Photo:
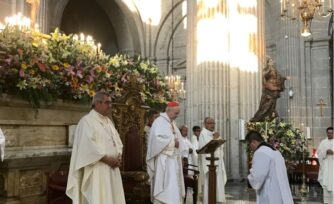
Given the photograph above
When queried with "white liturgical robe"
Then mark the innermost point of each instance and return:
(186, 153)
(326, 170)
(90, 181)
(164, 165)
(2, 145)
(205, 137)
(268, 176)
(194, 142)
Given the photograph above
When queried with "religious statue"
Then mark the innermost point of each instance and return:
(33, 11)
(273, 85)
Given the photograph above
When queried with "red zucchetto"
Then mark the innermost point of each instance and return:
(172, 104)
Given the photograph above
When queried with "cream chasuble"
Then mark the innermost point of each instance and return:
(91, 181)
(164, 164)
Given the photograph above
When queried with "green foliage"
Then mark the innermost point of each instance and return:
(42, 67)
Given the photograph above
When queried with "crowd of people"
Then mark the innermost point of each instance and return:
(94, 175)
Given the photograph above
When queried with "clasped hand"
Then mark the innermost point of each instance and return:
(112, 161)
(177, 143)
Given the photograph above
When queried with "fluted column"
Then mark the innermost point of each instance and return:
(224, 55)
(42, 18)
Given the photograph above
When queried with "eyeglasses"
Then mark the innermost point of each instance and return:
(213, 123)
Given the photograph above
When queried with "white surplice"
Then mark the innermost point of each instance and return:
(186, 154)
(268, 176)
(205, 137)
(194, 142)
(90, 181)
(2, 144)
(164, 165)
(325, 176)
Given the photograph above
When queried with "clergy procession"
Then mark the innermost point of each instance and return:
(166, 102)
(94, 175)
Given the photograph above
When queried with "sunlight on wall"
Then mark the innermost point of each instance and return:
(210, 33)
(184, 12)
(228, 35)
(150, 11)
(247, 3)
(211, 3)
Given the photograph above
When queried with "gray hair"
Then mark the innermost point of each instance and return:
(168, 109)
(182, 126)
(207, 118)
(98, 97)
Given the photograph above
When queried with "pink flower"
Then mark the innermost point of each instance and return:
(21, 73)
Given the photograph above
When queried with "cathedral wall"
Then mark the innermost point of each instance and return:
(306, 62)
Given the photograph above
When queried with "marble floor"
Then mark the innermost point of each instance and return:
(238, 193)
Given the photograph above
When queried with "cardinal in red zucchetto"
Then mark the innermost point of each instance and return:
(163, 157)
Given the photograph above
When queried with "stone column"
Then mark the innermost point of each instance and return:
(42, 18)
(225, 53)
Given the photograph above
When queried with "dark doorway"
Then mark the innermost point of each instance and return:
(88, 17)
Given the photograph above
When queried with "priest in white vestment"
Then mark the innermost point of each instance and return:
(208, 134)
(94, 176)
(164, 165)
(190, 150)
(268, 174)
(325, 156)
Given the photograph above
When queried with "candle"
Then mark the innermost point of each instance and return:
(308, 132)
(36, 27)
(82, 37)
(75, 37)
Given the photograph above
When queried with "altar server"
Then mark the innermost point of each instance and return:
(2, 145)
(191, 151)
(268, 175)
(325, 156)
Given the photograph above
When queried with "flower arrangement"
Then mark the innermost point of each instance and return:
(126, 70)
(289, 140)
(43, 67)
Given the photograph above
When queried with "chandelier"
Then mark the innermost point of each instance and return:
(176, 87)
(306, 9)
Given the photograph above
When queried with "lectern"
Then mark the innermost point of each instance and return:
(210, 148)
